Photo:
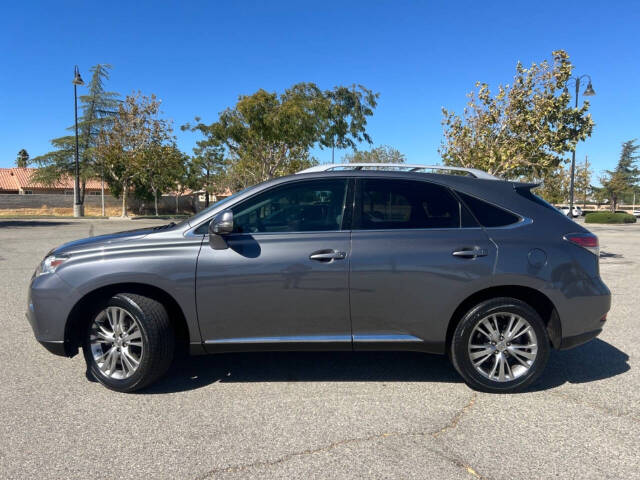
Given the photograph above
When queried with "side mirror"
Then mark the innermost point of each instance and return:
(222, 224)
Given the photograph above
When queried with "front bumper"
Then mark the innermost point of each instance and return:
(50, 301)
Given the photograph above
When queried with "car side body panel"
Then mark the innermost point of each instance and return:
(406, 284)
(162, 260)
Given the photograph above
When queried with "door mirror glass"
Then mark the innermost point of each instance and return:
(222, 224)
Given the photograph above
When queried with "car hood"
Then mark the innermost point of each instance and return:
(102, 240)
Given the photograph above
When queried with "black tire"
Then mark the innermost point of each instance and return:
(460, 355)
(158, 342)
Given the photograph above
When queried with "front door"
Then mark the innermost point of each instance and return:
(416, 254)
(283, 281)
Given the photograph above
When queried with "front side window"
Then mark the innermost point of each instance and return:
(306, 206)
(407, 204)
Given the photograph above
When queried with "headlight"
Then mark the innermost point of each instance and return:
(50, 263)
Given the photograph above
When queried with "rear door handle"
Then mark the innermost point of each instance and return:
(327, 255)
(470, 252)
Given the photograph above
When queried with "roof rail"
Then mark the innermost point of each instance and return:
(408, 167)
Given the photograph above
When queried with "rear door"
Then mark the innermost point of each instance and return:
(416, 254)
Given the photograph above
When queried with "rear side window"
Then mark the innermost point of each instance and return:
(405, 204)
(488, 215)
(529, 195)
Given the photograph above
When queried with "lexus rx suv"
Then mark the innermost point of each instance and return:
(349, 257)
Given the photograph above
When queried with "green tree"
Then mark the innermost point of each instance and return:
(137, 141)
(161, 168)
(186, 178)
(268, 134)
(98, 108)
(524, 130)
(381, 154)
(344, 114)
(625, 176)
(582, 181)
(208, 167)
(555, 186)
(23, 159)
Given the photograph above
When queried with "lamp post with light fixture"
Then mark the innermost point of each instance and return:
(78, 210)
(588, 92)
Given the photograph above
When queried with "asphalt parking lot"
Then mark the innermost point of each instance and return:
(316, 415)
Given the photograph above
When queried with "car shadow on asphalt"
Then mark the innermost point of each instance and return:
(196, 372)
(593, 361)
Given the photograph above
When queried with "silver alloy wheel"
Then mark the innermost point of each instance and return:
(116, 343)
(503, 346)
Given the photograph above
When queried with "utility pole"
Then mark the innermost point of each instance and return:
(589, 92)
(102, 189)
(77, 204)
(586, 173)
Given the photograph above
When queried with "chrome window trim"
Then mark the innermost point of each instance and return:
(523, 222)
(456, 229)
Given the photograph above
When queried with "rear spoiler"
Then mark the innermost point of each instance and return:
(525, 186)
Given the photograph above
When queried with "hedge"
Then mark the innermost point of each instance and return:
(608, 217)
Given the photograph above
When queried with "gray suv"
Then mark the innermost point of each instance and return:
(391, 258)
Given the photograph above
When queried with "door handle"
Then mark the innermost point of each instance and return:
(470, 253)
(327, 255)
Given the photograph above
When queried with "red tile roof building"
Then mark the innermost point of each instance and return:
(18, 180)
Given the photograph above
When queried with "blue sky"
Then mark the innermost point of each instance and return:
(199, 56)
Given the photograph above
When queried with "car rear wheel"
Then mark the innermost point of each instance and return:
(500, 345)
(129, 342)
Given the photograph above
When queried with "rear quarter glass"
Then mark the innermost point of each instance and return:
(488, 215)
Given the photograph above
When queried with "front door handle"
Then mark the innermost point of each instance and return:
(470, 252)
(327, 255)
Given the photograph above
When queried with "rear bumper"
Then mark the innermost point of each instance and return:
(577, 340)
(583, 311)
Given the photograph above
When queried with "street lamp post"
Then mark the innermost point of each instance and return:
(77, 204)
(588, 92)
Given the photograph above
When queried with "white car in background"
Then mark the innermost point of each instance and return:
(636, 213)
(577, 211)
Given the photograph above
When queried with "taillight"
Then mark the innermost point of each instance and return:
(585, 240)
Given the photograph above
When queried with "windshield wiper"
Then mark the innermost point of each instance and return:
(162, 227)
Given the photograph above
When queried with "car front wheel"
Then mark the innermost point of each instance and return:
(500, 345)
(129, 342)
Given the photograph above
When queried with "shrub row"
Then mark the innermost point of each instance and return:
(608, 217)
